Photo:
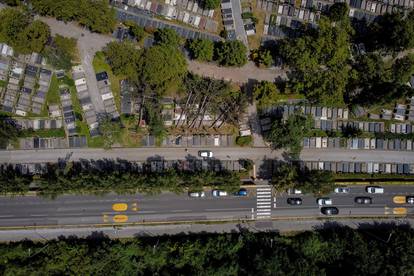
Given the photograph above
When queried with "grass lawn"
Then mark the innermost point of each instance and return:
(45, 133)
(99, 65)
(255, 40)
(52, 96)
(3, 83)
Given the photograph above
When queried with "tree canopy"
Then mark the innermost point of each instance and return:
(124, 58)
(211, 4)
(8, 131)
(93, 14)
(231, 53)
(201, 49)
(61, 52)
(266, 94)
(33, 38)
(338, 11)
(289, 134)
(12, 23)
(167, 37)
(320, 62)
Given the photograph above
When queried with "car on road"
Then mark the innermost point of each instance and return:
(374, 190)
(342, 190)
(218, 193)
(241, 192)
(324, 201)
(329, 211)
(363, 200)
(410, 199)
(196, 194)
(294, 192)
(205, 154)
(399, 211)
(294, 201)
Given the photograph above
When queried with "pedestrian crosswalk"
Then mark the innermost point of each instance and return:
(264, 201)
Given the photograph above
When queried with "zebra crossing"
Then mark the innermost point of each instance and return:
(264, 201)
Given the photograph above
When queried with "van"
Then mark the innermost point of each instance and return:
(374, 190)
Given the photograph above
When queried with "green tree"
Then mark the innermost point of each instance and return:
(33, 38)
(266, 94)
(110, 131)
(61, 52)
(12, 23)
(124, 58)
(338, 12)
(137, 31)
(11, 2)
(320, 62)
(284, 176)
(212, 4)
(167, 37)
(201, 49)
(403, 69)
(247, 164)
(161, 67)
(9, 131)
(316, 182)
(231, 53)
(289, 134)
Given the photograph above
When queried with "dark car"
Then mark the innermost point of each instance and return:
(410, 199)
(329, 211)
(294, 201)
(241, 192)
(363, 200)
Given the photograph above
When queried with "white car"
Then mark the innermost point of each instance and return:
(374, 190)
(324, 201)
(196, 194)
(342, 190)
(218, 193)
(205, 153)
(294, 192)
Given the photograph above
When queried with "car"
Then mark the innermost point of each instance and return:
(363, 200)
(205, 154)
(241, 192)
(329, 211)
(218, 193)
(196, 194)
(324, 201)
(342, 190)
(410, 199)
(294, 201)
(374, 190)
(294, 192)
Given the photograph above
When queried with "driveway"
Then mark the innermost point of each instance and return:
(88, 44)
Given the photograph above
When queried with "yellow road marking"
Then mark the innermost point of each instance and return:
(399, 211)
(134, 207)
(105, 218)
(120, 207)
(399, 199)
(120, 218)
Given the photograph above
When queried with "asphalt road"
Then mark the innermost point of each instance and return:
(222, 153)
(82, 210)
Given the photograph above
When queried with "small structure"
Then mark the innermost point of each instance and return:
(54, 111)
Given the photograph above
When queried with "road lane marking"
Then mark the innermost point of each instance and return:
(120, 218)
(265, 196)
(180, 211)
(34, 215)
(228, 209)
(6, 216)
(120, 207)
(263, 199)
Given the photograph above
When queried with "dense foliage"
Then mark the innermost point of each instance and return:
(286, 176)
(266, 94)
(105, 176)
(211, 4)
(231, 53)
(319, 60)
(18, 30)
(201, 49)
(124, 58)
(93, 14)
(137, 31)
(8, 131)
(289, 134)
(385, 250)
(167, 37)
(61, 52)
(110, 130)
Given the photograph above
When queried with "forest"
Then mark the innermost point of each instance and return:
(339, 250)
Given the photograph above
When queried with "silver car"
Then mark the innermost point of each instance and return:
(342, 190)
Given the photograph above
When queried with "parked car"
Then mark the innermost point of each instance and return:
(205, 154)
(329, 211)
(324, 201)
(374, 190)
(363, 200)
(294, 201)
(196, 194)
(218, 193)
(342, 190)
(294, 192)
(241, 192)
(410, 199)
